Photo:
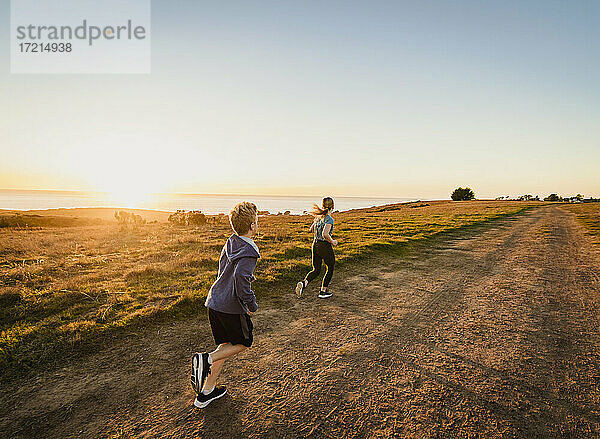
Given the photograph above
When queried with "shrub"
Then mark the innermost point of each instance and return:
(129, 219)
(177, 218)
(196, 218)
(552, 197)
(461, 194)
(183, 218)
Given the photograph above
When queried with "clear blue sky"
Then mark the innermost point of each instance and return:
(345, 98)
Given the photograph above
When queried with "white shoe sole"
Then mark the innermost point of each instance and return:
(197, 365)
(324, 297)
(299, 288)
(201, 405)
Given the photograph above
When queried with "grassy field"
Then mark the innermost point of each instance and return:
(588, 214)
(33, 220)
(64, 288)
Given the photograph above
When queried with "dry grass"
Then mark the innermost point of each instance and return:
(588, 214)
(63, 286)
(19, 220)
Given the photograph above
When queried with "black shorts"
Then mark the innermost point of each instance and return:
(230, 328)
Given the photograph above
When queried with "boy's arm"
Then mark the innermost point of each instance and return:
(243, 277)
(222, 260)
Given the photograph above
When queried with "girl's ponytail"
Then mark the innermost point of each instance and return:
(327, 207)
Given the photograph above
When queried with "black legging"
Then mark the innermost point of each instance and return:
(321, 251)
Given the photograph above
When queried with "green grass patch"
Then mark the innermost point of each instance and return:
(588, 214)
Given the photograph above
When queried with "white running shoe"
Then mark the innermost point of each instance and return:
(324, 295)
(203, 400)
(299, 288)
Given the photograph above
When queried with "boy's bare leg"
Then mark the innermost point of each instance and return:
(215, 371)
(226, 350)
(218, 356)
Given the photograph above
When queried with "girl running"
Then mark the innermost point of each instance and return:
(322, 248)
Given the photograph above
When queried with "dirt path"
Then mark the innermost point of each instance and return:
(489, 334)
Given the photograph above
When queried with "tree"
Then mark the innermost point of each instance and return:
(526, 197)
(552, 197)
(579, 197)
(461, 194)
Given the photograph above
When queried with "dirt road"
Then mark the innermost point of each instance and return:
(491, 332)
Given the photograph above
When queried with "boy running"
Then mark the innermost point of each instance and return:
(229, 302)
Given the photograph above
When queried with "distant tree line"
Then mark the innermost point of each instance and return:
(466, 193)
(552, 197)
(576, 199)
(529, 197)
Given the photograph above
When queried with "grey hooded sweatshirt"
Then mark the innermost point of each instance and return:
(232, 293)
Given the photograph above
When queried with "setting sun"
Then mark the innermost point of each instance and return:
(128, 172)
(128, 197)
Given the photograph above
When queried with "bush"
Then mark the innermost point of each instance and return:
(552, 197)
(129, 219)
(461, 194)
(183, 218)
(196, 218)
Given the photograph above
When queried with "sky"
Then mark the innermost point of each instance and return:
(378, 98)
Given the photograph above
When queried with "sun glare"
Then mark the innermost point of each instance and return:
(128, 190)
(129, 197)
(129, 175)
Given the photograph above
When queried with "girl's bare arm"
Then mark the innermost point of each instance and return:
(327, 236)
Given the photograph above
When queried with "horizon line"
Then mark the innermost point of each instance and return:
(403, 198)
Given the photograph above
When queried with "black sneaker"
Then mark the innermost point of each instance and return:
(300, 288)
(200, 370)
(324, 295)
(203, 400)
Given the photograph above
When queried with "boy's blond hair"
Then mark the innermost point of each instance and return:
(242, 216)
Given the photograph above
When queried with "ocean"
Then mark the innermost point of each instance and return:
(207, 203)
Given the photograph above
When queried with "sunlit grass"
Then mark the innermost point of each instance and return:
(588, 214)
(64, 286)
